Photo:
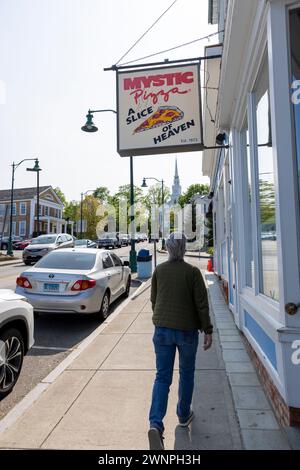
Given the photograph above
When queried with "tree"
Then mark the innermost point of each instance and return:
(187, 198)
(123, 193)
(101, 193)
(89, 213)
(154, 195)
(61, 195)
(72, 211)
(193, 190)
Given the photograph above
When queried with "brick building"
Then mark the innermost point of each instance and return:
(25, 212)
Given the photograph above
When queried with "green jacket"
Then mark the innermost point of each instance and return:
(179, 297)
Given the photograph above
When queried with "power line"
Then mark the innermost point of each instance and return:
(172, 48)
(147, 31)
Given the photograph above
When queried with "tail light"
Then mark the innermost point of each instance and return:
(83, 284)
(24, 282)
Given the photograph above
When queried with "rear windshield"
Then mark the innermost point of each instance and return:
(81, 242)
(43, 240)
(71, 260)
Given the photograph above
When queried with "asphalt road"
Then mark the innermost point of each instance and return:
(55, 335)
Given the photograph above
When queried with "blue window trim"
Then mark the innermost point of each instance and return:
(260, 336)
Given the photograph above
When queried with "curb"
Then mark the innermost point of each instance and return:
(19, 409)
(11, 263)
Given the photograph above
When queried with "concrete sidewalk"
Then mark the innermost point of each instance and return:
(101, 399)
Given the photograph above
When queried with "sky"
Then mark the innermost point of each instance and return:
(52, 55)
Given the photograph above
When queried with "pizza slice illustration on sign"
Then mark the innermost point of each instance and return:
(161, 117)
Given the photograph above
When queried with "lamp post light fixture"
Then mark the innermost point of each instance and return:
(14, 167)
(81, 207)
(144, 185)
(37, 169)
(90, 127)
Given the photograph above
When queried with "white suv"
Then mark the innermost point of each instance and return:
(16, 337)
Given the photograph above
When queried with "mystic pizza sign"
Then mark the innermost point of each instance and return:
(159, 110)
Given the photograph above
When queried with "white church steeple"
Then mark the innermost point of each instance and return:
(176, 188)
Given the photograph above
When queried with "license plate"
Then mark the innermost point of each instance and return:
(51, 287)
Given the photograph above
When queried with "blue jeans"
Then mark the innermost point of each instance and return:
(166, 340)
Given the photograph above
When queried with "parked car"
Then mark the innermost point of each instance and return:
(5, 240)
(124, 239)
(75, 280)
(143, 237)
(137, 237)
(85, 243)
(43, 244)
(22, 244)
(16, 337)
(152, 239)
(268, 235)
(108, 240)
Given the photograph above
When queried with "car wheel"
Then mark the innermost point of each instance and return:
(128, 285)
(104, 310)
(4, 246)
(28, 263)
(11, 359)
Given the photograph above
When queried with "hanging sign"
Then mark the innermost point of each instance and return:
(159, 110)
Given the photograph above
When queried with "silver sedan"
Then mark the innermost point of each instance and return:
(75, 280)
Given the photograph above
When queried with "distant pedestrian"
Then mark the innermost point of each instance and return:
(180, 308)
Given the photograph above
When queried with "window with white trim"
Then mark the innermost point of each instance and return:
(2, 210)
(294, 22)
(14, 209)
(267, 233)
(22, 228)
(23, 208)
(14, 228)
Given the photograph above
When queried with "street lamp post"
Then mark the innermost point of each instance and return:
(14, 167)
(81, 208)
(144, 185)
(90, 127)
(37, 169)
(132, 254)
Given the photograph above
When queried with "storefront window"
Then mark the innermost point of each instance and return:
(266, 190)
(295, 71)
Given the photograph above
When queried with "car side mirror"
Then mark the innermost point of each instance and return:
(125, 263)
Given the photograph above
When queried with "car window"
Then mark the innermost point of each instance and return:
(72, 260)
(44, 240)
(107, 261)
(64, 238)
(116, 260)
(81, 242)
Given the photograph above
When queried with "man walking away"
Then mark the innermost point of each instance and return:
(180, 309)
